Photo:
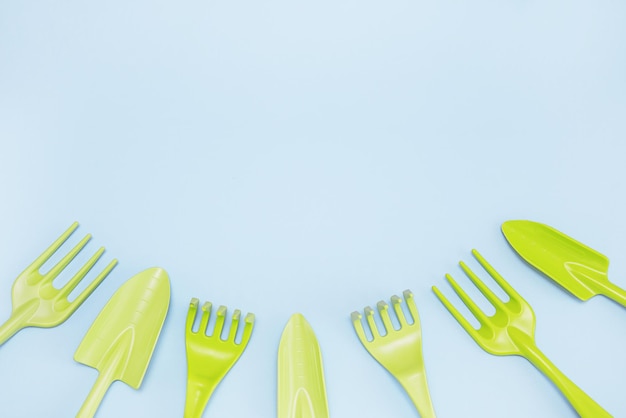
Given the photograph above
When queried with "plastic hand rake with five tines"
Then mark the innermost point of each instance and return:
(399, 350)
(209, 358)
(511, 331)
(37, 303)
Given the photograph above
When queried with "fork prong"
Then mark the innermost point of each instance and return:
(247, 329)
(92, 286)
(383, 310)
(496, 276)
(58, 267)
(73, 282)
(358, 326)
(234, 325)
(191, 313)
(206, 314)
(471, 305)
(45, 256)
(484, 289)
(456, 314)
(369, 316)
(219, 322)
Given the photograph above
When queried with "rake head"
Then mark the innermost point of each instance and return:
(36, 302)
(209, 357)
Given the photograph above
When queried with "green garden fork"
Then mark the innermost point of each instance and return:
(399, 350)
(209, 358)
(511, 331)
(36, 302)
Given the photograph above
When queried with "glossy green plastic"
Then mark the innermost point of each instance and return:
(120, 342)
(37, 303)
(209, 358)
(301, 386)
(511, 331)
(577, 268)
(399, 350)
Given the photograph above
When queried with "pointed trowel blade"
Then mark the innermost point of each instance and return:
(301, 388)
(577, 268)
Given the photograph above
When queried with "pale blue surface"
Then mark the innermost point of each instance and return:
(284, 156)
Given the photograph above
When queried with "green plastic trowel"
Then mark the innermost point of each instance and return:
(301, 388)
(577, 268)
(121, 340)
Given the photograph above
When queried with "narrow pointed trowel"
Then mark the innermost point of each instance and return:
(577, 268)
(120, 342)
(301, 388)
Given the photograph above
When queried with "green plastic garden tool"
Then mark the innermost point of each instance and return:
(37, 303)
(301, 387)
(209, 358)
(577, 268)
(399, 350)
(511, 331)
(120, 342)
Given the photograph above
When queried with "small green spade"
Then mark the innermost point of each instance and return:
(121, 340)
(577, 268)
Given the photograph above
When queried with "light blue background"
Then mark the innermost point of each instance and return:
(296, 156)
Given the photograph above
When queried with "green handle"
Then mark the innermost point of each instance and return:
(416, 387)
(99, 389)
(198, 394)
(613, 292)
(18, 320)
(10, 327)
(580, 401)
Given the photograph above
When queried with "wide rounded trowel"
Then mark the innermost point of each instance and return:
(577, 268)
(120, 342)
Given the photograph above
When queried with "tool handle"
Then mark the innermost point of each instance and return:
(18, 320)
(99, 389)
(198, 394)
(613, 292)
(580, 401)
(10, 327)
(416, 387)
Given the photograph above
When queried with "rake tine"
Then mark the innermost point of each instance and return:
(410, 303)
(358, 325)
(234, 325)
(471, 305)
(206, 315)
(247, 329)
(456, 314)
(45, 256)
(95, 283)
(219, 322)
(369, 316)
(58, 267)
(484, 289)
(383, 310)
(396, 302)
(73, 282)
(191, 313)
(496, 276)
